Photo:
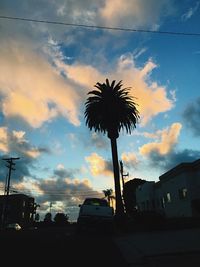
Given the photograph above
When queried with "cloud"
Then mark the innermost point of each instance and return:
(92, 139)
(100, 141)
(99, 166)
(73, 191)
(164, 154)
(32, 89)
(130, 160)
(165, 163)
(168, 139)
(151, 97)
(3, 139)
(64, 194)
(190, 12)
(139, 51)
(14, 143)
(135, 13)
(191, 116)
(35, 74)
(62, 172)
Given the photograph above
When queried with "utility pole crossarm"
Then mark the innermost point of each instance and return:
(8, 159)
(7, 186)
(10, 168)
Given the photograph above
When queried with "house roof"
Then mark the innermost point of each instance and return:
(16, 196)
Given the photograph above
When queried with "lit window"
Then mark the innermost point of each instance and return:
(183, 193)
(168, 197)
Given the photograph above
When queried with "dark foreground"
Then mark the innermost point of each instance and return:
(59, 246)
(64, 246)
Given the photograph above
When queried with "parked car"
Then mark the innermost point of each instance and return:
(13, 226)
(95, 212)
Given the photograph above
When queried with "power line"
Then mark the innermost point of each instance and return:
(100, 27)
(58, 192)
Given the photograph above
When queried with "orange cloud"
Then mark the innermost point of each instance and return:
(36, 91)
(169, 138)
(151, 97)
(135, 13)
(16, 140)
(3, 140)
(129, 157)
(32, 89)
(98, 166)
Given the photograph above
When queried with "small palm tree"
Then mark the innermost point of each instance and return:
(109, 110)
(108, 193)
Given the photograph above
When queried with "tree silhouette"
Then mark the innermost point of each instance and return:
(109, 110)
(61, 218)
(108, 193)
(48, 217)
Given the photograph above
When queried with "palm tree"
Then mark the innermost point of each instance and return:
(109, 110)
(108, 193)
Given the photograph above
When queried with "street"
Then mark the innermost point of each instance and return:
(60, 246)
(66, 246)
(177, 247)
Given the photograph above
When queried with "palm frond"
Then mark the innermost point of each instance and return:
(111, 108)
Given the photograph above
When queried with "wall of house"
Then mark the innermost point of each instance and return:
(193, 185)
(174, 194)
(19, 208)
(176, 204)
(145, 196)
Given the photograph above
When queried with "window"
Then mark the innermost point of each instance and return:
(168, 197)
(162, 202)
(182, 193)
(96, 202)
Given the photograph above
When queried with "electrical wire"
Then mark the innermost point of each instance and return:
(100, 27)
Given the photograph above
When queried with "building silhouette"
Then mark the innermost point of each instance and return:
(17, 208)
(176, 194)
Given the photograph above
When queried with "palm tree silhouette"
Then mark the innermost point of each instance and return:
(108, 193)
(109, 110)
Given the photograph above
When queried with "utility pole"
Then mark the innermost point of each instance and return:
(7, 187)
(10, 168)
(122, 172)
(122, 175)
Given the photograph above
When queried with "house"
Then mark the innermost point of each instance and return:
(145, 196)
(176, 194)
(17, 208)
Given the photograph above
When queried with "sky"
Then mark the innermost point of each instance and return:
(47, 70)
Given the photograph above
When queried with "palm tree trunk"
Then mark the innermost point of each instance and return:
(119, 203)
